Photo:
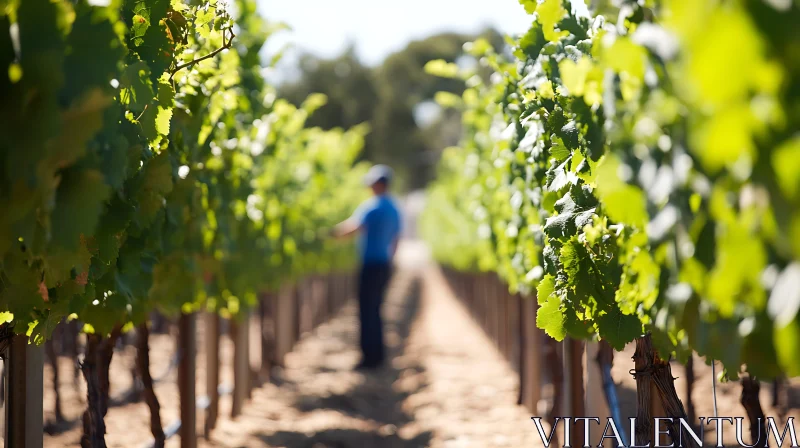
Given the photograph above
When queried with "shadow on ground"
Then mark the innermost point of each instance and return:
(345, 438)
(378, 398)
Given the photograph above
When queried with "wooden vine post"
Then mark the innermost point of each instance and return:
(596, 404)
(240, 329)
(332, 291)
(689, 368)
(24, 381)
(780, 396)
(514, 333)
(266, 326)
(52, 357)
(297, 319)
(212, 335)
(284, 323)
(503, 321)
(574, 396)
(530, 354)
(187, 348)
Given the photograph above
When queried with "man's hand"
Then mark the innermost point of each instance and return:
(326, 233)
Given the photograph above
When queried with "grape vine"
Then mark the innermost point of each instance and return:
(636, 164)
(146, 165)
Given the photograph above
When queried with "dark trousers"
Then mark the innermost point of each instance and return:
(373, 280)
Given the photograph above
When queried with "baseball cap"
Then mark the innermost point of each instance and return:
(378, 173)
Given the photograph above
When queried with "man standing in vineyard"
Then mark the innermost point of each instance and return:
(378, 222)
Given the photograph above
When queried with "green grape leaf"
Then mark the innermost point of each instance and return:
(80, 200)
(733, 282)
(639, 283)
(624, 204)
(787, 346)
(720, 341)
(113, 222)
(786, 163)
(569, 135)
(550, 13)
(577, 328)
(441, 68)
(166, 95)
(94, 50)
(577, 27)
(551, 318)
(530, 5)
(559, 177)
(60, 262)
(79, 124)
(532, 43)
(137, 90)
(570, 218)
(155, 121)
(155, 183)
(545, 288)
(759, 351)
(140, 22)
(618, 328)
(558, 150)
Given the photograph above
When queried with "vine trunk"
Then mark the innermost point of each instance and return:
(656, 395)
(752, 405)
(143, 367)
(95, 366)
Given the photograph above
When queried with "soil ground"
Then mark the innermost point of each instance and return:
(444, 385)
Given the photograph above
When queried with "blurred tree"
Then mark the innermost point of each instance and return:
(395, 98)
(349, 86)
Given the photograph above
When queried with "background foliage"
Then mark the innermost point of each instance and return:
(388, 99)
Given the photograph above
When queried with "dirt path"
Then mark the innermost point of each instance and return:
(444, 387)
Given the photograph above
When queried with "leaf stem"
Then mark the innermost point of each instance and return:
(225, 46)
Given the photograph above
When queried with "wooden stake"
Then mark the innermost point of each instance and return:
(284, 324)
(531, 355)
(50, 349)
(514, 333)
(596, 404)
(554, 358)
(267, 336)
(241, 363)
(689, 367)
(573, 358)
(25, 385)
(187, 347)
(212, 335)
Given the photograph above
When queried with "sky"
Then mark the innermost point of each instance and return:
(381, 27)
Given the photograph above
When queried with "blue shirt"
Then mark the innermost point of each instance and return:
(379, 218)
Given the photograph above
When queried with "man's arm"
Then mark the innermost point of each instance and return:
(351, 225)
(346, 228)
